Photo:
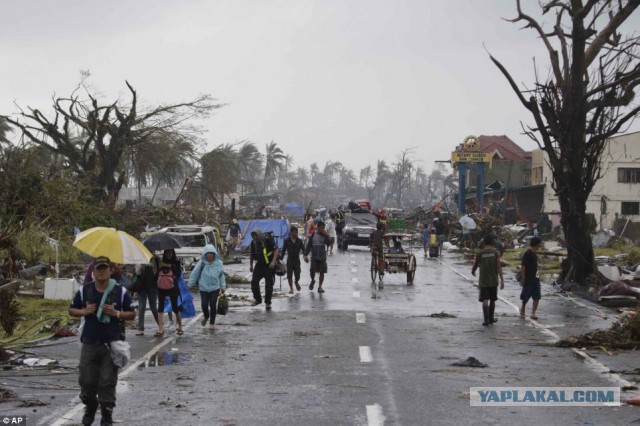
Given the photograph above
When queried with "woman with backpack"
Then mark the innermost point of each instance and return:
(169, 271)
(209, 275)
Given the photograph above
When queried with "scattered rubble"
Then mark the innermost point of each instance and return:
(6, 395)
(470, 362)
(624, 334)
(442, 314)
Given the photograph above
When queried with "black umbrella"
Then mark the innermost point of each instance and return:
(162, 241)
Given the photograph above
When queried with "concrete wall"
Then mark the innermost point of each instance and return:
(622, 152)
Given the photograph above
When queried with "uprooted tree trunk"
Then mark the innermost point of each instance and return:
(586, 98)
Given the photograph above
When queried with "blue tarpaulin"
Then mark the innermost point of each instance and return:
(278, 227)
(294, 209)
(187, 310)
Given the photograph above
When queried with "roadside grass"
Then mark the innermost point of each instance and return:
(35, 315)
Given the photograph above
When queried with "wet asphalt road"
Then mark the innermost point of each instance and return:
(346, 357)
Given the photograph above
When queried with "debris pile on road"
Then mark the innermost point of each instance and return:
(624, 334)
(442, 314)
(6, 395)
(470, 362)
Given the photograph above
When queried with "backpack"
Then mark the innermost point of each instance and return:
(166, 279)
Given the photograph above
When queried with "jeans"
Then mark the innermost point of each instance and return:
(98, 375)
(259, 273)
(209, 301)
(152, 295)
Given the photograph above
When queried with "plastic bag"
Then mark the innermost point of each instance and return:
(120, 352)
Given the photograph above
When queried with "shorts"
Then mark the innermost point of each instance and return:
(488, 293)
(531, 290)
(318, 266)
(332, 241)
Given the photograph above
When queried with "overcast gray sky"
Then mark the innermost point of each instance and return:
(342, 80)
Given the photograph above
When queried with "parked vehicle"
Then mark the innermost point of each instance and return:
(357, 229)
(195, 237)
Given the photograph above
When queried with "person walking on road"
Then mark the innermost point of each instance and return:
(234, 233)
(292, 247)
(331, 230)
(488, 260)
(209, 275)
(104, 304)
(169, 271)
(425, 239)
(264, 252)
(147, 291)
(376, 244)
(529, 280)
(317, 246)
(439, 227)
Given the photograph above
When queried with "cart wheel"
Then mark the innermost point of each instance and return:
(411, 269)
(374, 269)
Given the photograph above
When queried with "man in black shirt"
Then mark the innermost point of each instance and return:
(529, 280)
(293, 246)
(264, 252)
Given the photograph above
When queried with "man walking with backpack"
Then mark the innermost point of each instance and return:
(317, 246)
(104, 304)
(264, 252)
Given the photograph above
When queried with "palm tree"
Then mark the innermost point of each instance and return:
(219, 172)
(367, 181)
(302, 177)
(382, 175)
(273, 161)
(314, 171)
(160, 160)
(283, 176)
(249, 164)
(347, 179)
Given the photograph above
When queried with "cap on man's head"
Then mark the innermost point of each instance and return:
(102, 260)
(235, 221)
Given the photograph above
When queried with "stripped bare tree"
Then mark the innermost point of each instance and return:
(586, 97)
(94, 138)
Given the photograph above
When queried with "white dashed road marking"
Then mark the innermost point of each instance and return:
(360, 318)
(374, 415)
(356, 294)
(365, 354)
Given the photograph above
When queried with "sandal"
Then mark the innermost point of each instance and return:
(320, 290)
(159, 334)
(140, 333)
(180, 332)
(534, 317)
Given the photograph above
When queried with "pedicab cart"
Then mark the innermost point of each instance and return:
(397, 259)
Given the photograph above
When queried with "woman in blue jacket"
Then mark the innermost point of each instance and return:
(209, 275)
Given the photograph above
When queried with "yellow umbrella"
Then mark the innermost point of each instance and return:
(118, 246)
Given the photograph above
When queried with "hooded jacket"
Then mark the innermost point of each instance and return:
(209, 276)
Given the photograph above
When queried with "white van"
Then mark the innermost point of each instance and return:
(195, 237)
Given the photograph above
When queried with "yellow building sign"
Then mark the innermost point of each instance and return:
(470, 157)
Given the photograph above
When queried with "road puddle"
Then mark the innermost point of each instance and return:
(165, 359)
